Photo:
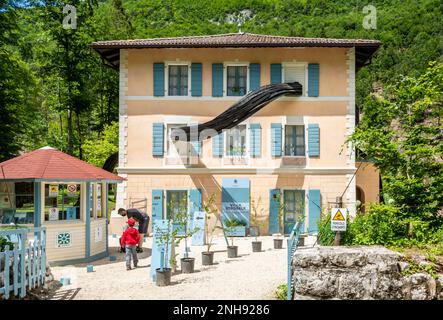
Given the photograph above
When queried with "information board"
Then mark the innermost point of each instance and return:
(338, 219)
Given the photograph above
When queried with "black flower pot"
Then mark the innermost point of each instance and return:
(278, 243)
(187, 265)
(163, 277)
(207, 258)
(256, 246)
(232, 251)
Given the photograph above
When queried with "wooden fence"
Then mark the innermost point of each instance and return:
(22, 265)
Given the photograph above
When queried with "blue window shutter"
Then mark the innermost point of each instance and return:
(217, 145)
(159, 79)
(255, 139)
(313, 140)
(276, 73)
(157, 204)
(276, 139)
(217, 79)
(313, 79)
(314, 210)
(196, 79)
(274, 203)
(157, 139)
(254, 76)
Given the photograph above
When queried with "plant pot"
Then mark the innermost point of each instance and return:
(187, 265)
(207, 258)
(232, 251)
(278, 243)
(163, 277)
(256, 246)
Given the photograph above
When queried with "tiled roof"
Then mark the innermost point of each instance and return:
(233, 40)
(48, 163)
(110, 50)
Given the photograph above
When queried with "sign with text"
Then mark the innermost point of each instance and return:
(161, 246)
(53, 214)
(71, 213)
(72, 190)
(198, 238)
(235, 200)
(53, 190)
(338, 219)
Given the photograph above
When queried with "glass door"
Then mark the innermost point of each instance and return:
(294, 204)
(176, 204)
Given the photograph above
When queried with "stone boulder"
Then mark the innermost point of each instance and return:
(358, 272)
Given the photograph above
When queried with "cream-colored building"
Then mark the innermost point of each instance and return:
(293, 151)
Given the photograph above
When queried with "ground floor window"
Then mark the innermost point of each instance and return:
(62, 202)
(97, 200)
(176, 203)
(17, 202)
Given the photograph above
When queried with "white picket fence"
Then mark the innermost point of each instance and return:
(22, 266)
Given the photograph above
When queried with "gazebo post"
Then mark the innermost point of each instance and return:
(106, 217)
(37, 207)
(88, 221)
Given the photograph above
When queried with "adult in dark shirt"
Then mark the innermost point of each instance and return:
(143, 222)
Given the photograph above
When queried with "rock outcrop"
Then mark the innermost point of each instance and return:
(361, 272)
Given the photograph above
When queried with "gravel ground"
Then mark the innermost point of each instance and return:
(250, 276)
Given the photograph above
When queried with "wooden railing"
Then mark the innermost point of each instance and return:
(22, 265)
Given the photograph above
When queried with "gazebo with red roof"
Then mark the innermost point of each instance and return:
(68, 196)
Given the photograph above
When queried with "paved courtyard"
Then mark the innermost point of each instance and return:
(250, 276)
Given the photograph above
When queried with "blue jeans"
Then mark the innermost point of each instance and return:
(131, 254)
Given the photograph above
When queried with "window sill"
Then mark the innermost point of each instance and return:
(77, 221)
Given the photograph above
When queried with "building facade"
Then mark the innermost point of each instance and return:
(291, 157)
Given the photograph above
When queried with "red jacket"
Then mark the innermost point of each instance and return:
(130, 237)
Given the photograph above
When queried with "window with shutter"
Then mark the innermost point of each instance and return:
(295, 73)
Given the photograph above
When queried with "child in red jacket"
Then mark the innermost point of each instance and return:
(129, 241)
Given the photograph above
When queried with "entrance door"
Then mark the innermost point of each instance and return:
(176, 203)
(294, 201)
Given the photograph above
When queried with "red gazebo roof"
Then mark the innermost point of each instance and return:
(50, 164)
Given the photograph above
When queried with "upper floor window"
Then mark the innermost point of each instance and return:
(236, 141)
(294, 140)
(236, 77)
(295, 72)
(178, 76)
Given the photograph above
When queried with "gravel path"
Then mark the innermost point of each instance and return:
(250, 276)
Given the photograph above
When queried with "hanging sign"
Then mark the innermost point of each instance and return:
(338, 219)
(198, 238)
(72, 190)
(53, 214)
(53, 190)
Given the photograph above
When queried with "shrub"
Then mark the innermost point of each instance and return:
(325, 235)
(4, 242)
(282, 292)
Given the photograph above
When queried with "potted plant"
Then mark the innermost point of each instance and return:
(163, 239)
(182, 218)
(231, 228)
(256, 224)
(278, 240)
(210, 210)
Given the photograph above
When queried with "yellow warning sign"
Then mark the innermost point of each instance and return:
(338, 216)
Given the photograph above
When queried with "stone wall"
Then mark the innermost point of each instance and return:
(364, 272)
